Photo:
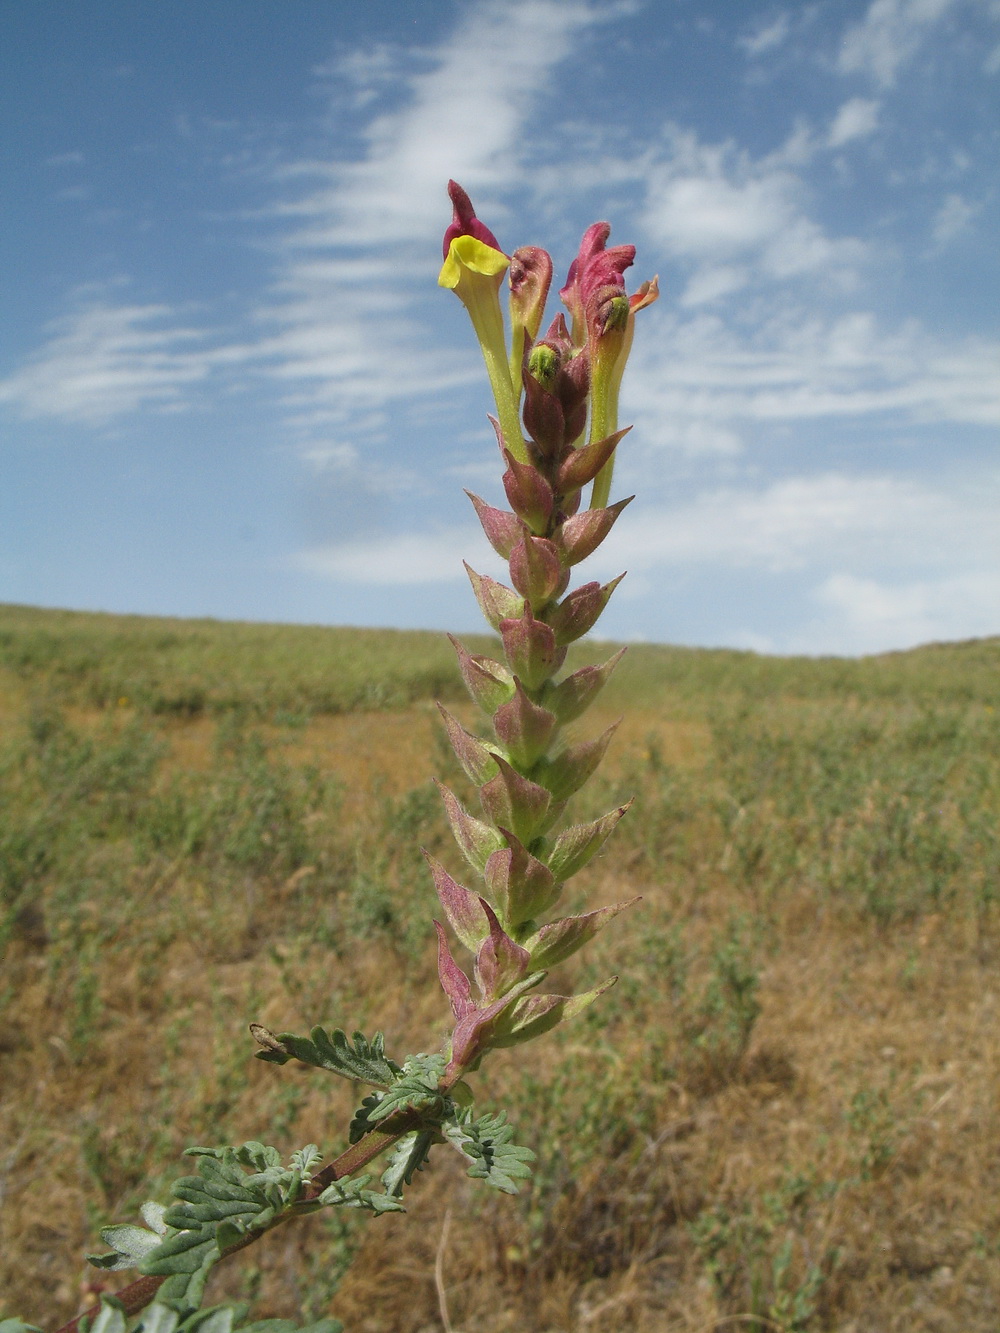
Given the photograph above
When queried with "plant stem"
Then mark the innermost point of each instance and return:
(138, 1294)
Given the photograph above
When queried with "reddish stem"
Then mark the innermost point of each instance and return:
(138, 1294)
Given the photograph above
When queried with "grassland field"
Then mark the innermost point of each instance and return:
(783, 1117)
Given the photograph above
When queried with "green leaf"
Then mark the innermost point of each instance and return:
(216, 1209)
(353, 1194)
(364, 1062)
(408, 1156)
(17, 1326)
(361, 1121)
(158, 1318)
(486, 1142)
(130, 1244)
(110, 1319)
(415, 1088)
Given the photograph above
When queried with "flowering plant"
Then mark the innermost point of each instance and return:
(557, 429)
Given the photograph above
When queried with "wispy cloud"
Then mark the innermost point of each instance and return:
(359, 250)
(856, 119)
(105, 360)
(692, 379)
(804, 520)
(404, 558)
(953, 218)
(767, 36)
(736, 219)
(863, 615)
(888, 37)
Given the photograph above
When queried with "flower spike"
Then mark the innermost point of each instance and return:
(525, 772)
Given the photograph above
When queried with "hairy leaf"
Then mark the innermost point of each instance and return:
(486, 1142)
(353, 1194)
(364, 1062)
(408, 1156)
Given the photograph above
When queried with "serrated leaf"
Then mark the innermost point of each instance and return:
(361, 1122)
(408, 1156)
(486, 1142)
(353, 1194)
(363, 1062)
(416, 1088)
(304, 1159)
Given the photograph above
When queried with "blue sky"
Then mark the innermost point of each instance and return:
(230, 386)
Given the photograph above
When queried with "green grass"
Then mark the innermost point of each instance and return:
(184, 848)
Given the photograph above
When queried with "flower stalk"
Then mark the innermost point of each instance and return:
(527, 771)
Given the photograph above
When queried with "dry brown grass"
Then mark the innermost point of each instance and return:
(847, 1158)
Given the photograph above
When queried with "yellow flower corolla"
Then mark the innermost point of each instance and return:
(474, 271)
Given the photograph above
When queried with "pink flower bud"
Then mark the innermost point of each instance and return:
(556, 942)
(475, 757)
(531, 648)
(536, 571)
(476, 841)
(574, 695)
(521, 886)
(500, 963)
(463, 908)
(496, 601)
(583, 464)
(454, 982)
(514, 802)
(578, 613)
(569, 770)
(582, 534)
(502, 529)
(533, 1015)
(528, 493)
(579, 844)
(489, 682)
(523, 729)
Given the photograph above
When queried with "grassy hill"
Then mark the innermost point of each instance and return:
(785, 1110)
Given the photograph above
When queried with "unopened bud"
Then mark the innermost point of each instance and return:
(543, 364)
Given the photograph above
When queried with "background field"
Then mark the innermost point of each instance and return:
(784, 1115)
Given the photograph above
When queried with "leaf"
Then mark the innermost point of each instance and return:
(353, 1194)
(130, 1244)
(416, 1088)
(17, 1326)
(110, 1319)
(408, 1156)
(486, 1142)
(364, 1062)
(361, 1122)
(216, 1208)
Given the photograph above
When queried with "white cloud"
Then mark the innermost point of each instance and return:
(870, 615)
(888, 37)
(807, 520)
(856, 119)
(462, 118)
(106, 360)
(394, 560)
(700, 370)
(952, 218)
(767, 37)
(717, 207)
(361, 252)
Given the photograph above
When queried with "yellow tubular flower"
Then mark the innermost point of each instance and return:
(474, 270)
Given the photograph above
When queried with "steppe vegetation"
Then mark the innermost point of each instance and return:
(784, 1117)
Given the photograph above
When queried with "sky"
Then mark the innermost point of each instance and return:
(231, 387)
